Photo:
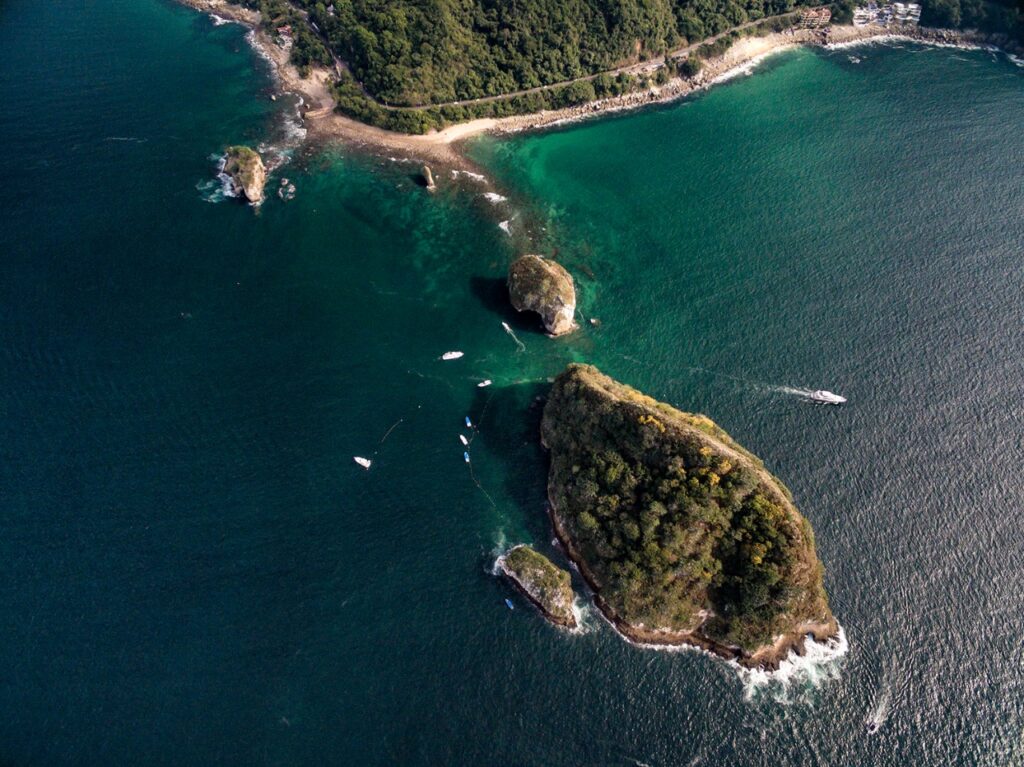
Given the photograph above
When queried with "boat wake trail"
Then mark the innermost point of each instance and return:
(520, 344)
(879, 713)
(793, 390)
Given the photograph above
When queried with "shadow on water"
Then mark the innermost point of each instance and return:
(510, 431)
(492, 293)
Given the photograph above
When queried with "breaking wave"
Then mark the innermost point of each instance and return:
(797, 674)
(219, 188)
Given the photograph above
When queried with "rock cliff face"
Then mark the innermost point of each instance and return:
(538, 285)
(684, 536)
(547, 586)
(248, 176)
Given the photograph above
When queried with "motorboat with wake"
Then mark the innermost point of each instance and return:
(826, 397)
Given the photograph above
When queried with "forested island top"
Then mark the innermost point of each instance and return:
(683, 534)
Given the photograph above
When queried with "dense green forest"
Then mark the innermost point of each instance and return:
(1000, 17)
(674, 518)
(418, 53)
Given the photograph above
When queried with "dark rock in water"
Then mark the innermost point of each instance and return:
(547, 586)
(683, 535)
(248, 176)
(539, 285)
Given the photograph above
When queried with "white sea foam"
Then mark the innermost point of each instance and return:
(1016, 60)
(494, 198)
(468, 174)
(219, 188)
(797, 674)
(219, 21)
(892, 39)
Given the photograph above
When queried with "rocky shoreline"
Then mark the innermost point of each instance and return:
(527, 569)
(768, 658)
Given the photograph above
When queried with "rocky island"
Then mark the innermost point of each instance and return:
(547, 586)
(248, 176)
(537, 284)
(683, 535)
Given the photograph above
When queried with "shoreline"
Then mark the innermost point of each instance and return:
(767, 658)
(442, 147)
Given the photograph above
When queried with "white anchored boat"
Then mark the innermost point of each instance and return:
(451, 356)
(364, 462)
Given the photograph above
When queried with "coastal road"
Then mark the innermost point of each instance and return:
(633, 69)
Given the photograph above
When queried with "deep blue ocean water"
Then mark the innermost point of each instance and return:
(194, 571)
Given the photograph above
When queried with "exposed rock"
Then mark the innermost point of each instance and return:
(428, 178)
(683, 535)
(547, 586)
(536, 284)
(248, 176)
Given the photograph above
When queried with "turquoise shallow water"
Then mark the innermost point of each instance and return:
(195, 572)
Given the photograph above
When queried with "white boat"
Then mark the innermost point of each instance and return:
(364, 462)
(826, 397)
(482, 384)
(463, 438)
(451, 355)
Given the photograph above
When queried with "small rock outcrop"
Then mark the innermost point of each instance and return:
(428, 179)
(248, 175)
(536, 284)
(547, 586)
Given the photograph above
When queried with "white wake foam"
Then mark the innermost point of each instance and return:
(880, 712)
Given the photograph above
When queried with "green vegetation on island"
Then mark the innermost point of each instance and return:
(547, 586)
(683, 534)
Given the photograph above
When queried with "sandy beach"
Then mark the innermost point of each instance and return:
(441, 147)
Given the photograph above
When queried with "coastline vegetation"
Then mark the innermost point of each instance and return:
(679, 527)
(991, 16)
(412, 67)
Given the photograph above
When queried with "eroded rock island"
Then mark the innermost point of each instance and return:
(248, 175)
(537, 284)
(683, 535)
(546, 585)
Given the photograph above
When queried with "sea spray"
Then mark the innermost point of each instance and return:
(219, 188)
(797, 674)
